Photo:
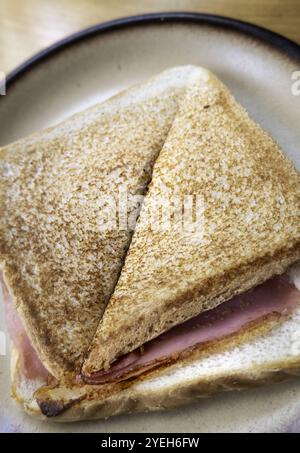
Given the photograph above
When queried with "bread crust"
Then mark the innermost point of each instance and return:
(92, 402)
(180, 395)
(168, 398)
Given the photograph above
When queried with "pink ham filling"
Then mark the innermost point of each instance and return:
(278, 295)
(31, 366)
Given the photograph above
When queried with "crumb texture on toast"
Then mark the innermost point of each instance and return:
(250, 227)
(59, 265)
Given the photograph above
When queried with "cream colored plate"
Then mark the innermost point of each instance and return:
(97, 66)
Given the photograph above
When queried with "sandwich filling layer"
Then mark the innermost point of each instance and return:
(277, 296)
(31, 365)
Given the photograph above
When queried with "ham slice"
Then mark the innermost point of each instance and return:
(31, 366)
(278, 295)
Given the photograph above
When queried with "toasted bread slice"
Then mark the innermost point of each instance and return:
(248, 231)
(269, 352)
(59, 261)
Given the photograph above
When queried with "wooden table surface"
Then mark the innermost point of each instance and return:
(27, 26)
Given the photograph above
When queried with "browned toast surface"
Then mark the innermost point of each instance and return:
(59, 263)
(249, 230)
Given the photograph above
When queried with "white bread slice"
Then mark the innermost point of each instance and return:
(60, 268)
(251, 223)
(269, 357)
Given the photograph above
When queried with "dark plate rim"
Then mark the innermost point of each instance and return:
(277, 41)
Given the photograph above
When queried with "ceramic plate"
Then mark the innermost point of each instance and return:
(90, 66)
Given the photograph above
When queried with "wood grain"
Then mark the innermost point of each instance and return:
(27, 26)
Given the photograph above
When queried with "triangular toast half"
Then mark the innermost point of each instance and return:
(60, 261)
(248, 228)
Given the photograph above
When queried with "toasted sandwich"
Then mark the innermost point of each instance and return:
(208, 297)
